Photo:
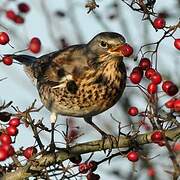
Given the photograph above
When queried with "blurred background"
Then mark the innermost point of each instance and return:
(60, 23)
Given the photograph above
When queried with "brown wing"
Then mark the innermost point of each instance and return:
(59, 66)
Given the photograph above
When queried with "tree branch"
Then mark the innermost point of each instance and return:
(48, 159)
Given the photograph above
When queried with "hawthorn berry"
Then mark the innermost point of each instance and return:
(149, 72)
(133, 156)
(35, 45)
(156, 78)
(5, 138)
(10, 14)
(29, 152)
(166, 85)
(83, 168)
(92, 165)
(14, 122)
(172, 90)
(176, 147)
(152, 88)
(133, 111)
(5, 116)
(4, 38)
(76, 159)
(23, 7)
(3, 154)
(157, 136)
(135, 77)
(170, 103)
(145, 63)
(151, 172)
(169, 88)
(177, 105)
(12, 130)
(159, 23)
(19, 19)
(138, 69)
(177, 43)
(7, 60)
(126, 50)
(9, 148)
(93, 176)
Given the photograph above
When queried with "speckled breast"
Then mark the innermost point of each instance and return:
(95, 93)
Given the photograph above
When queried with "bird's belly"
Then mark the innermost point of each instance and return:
(87, 101)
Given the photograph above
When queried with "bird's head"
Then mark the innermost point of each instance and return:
(107, 44)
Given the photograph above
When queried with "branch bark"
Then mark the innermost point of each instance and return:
(49, 158)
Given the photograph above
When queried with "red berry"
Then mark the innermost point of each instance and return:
(7, 60)
(149, 72)
(172, 90)
(152, 88)
(19, 19)
(133, 156)
(10, 14)
(5, 138)
(5, 116)
(166, 85)
(138, 69)
(76, 159)
(14, 122)
(176, 147)
(35, 45)
(9, 149)
(151, 171)
(159, 23)
(170, 103)
(133, 111)
(156, 78)
(92, 165)
(3, 154)
(157, 136)
(177, 43)
(145, 63)
(12, 130)
(83, 168)
(177, 105)
(23, 7)
(4, 38)
(29, 152)
(126, 50)
(135, 77)
(93, 176)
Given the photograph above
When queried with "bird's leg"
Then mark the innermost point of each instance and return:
(53, 119)
(103, 134)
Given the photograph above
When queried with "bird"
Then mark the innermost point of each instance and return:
(81, 80)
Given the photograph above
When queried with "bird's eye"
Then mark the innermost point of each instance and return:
(104, 44)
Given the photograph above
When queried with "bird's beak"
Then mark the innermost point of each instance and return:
(117, 50)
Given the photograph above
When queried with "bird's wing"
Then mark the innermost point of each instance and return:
(60, 66)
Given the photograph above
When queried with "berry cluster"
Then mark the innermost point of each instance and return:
(153, 76)
(18, 18)
(158, 137)
(160, 23)
(34, 46)
(6, 149)
(90, 167)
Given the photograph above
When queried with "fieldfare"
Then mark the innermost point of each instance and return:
(82, 80)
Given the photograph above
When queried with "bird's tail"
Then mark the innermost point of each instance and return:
(27, 61)
(24, 59)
